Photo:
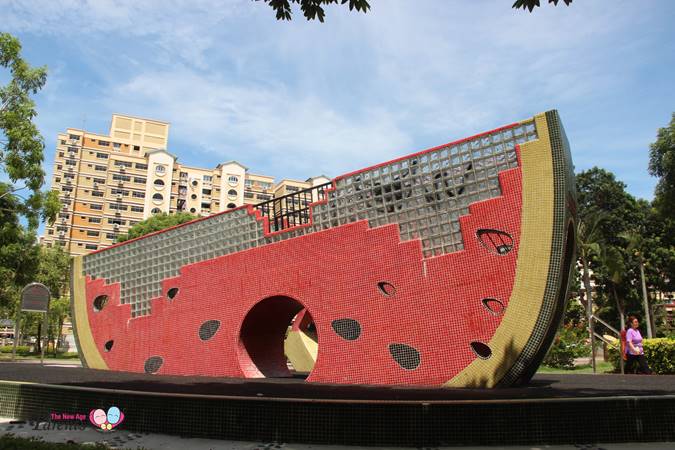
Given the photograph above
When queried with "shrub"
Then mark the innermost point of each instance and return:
(660, 354)
(568, 344)
(21, 350)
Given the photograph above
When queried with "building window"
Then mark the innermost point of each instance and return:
(119, 163)
(248, 195)
(292, 188)
(139, 180)
(68, 175)
(119, 192)
(206, 191)
(207, 178)
(231, 205)
(97, 193)
(96, 207)
(141, 165)
(157, 197)
(94, 220)
(192, 210)
(110, 236)
(156, 210)
(159, 184)
(100, 168)
(117, 144)
(137, 147)
(74, 136)
(91, 246)
(137, 209)
(102, 155)
(231, 193)
(118, 177)
(233, 180)
(64, 215)
(99, 180)
(67, 189)
(193, 196)
(103, 143)
(138, 194)
(92, 233)
(116, 221)
(117, 207)
(264, 197)
(183, 174)
(71, 162)
(61, 154)
(160, 170)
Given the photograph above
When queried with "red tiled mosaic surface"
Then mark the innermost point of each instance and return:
(436, 308)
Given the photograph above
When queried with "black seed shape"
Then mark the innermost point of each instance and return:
(153, 364)
(386, 289)
(348, 329)
(208, 329)
(171, 293)
(108, 345)
(405, 356)
(481, 349)
(100, 302)
(496, 241)
(494, 306)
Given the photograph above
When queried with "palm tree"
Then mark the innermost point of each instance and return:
(588, 244)
(635, 245)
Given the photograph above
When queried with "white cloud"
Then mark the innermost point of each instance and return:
(295, 135)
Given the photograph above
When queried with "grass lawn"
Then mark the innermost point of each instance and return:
(601, 367)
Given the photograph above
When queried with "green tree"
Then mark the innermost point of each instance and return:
(21, 145)
(313, 9)
(531, 4)
(662, 165)
(155, 223)
(588, 245)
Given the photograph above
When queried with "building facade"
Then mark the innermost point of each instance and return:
(108, 183)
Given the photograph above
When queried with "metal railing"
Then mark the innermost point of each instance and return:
(292, 209)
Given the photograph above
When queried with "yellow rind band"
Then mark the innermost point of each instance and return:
(534, 258)
(89, 353)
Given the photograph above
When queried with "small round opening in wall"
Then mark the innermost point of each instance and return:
(231, 205)
(157, 198)
(108, 345)
(481, 349)
(159, 184)
(171, 293)
(232, 194)
(160, 170)
(386, 289)
(100, 302)
(233, 180)
(192, 210)
(195, 182)
(193, 196)
(156, 211)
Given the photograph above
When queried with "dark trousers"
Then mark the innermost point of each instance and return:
(641, 363)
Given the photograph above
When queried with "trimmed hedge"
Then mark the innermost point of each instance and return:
(21, 350)
(660, 354)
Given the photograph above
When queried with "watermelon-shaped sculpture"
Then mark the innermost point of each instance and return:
(445, 267)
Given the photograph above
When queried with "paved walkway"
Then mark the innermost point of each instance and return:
(125, 440)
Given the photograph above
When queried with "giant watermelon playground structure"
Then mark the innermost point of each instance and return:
(447, 267)
(419, 297)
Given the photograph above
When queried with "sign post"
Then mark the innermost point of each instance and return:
(34, 298)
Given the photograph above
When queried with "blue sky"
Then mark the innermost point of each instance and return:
(297, 99)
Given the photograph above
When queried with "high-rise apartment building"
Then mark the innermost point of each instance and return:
(107, 183)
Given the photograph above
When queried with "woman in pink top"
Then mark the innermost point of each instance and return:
(634, 350)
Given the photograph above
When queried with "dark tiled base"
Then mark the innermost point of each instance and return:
(471, 418)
